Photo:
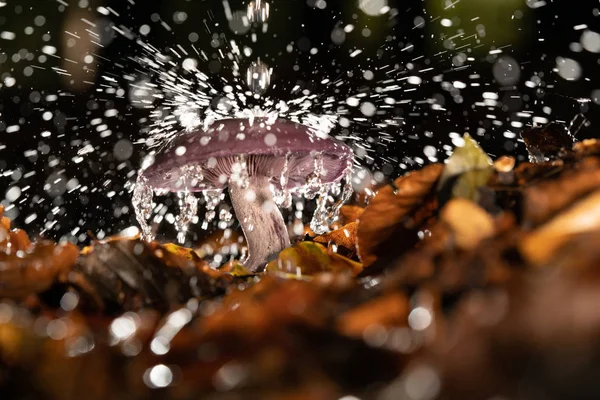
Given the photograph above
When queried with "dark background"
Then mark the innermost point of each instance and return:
(62, 196)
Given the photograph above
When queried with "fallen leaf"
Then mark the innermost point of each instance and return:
(545, 199)
(390, 223)
(309, 258)
(350, 214)
(181, 251)
(36, 269)
(235, 268)
(547, 143)
(130, 274)
(385, 312)
(587, 147)
(583, 216)
(470, 223)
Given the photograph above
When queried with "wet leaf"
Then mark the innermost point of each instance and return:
(309, 258)
(181, 251)
(235, 268)
(350, 214)
(469, 157)
(390, 224)
(36, 269)
(547, 143)
(130, 273)
(344, 238)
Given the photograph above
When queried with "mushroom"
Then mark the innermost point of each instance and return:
(247, 156)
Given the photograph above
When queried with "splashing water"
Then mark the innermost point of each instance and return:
(282, 196)
(213, 198)
(142, 205)
(188, 208)
(313, 182)
(319, 224)
(258, 77)
(347, 190)
(258, 11)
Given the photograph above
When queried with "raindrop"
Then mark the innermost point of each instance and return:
(258, 11)
(591, 41)
(258, 77)
(568, 68)
(506, 71)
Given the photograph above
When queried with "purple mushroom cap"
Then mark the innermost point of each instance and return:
(207, 159)
(264, 146)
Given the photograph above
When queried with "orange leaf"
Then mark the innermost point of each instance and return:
(350, 214)
(390, 223)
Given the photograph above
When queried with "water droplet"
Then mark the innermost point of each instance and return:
(319, 224)
(282, 196)
(212, 198)
(258, 11)
(334, 213)
(313, 182)
(258, 77)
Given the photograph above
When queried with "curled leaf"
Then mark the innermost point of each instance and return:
(350, 214)
(389, 225)
(584, 216)
(309, 258)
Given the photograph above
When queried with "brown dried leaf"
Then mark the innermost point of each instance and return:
(390, 223)
(388, 311)
(350, 214)
(36, 269)
(528, 173)
(470, 223)
(130, 273)
(542, 201)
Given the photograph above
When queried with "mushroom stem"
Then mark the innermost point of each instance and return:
(261, 221)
